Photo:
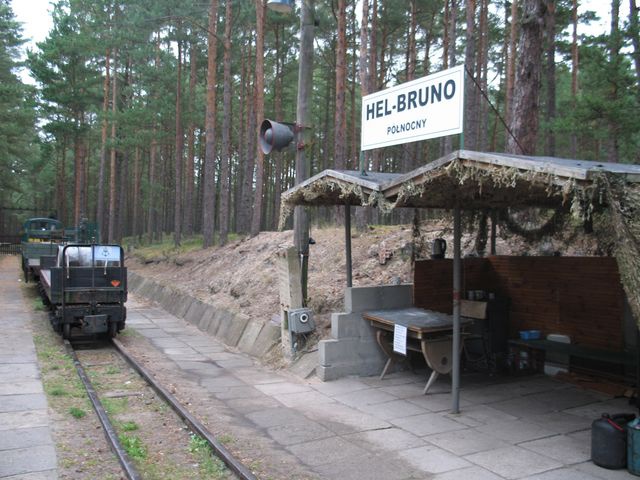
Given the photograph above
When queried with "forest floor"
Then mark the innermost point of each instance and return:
(243, 277)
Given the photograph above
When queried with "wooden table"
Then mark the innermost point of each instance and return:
(428, 332)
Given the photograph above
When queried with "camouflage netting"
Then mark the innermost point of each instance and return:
(613, 204)
(622, 227)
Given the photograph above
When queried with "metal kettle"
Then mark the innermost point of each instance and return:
(438, 248)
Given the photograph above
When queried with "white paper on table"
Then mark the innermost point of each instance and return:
(400, 339)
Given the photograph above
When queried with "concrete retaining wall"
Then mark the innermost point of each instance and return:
(236, 330)
(353, 350)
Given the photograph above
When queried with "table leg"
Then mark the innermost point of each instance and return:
(388, 350)
(432, 379)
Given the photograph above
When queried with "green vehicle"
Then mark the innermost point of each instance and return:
(40, 237)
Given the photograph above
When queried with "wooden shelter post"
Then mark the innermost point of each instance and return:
(347, 243)
(457, 276)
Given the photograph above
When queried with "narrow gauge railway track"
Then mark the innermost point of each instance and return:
(233, 464)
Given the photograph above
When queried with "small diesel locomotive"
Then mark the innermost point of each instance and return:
(85, 285)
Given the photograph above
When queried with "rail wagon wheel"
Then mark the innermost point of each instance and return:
(113, 329)
(66, 331)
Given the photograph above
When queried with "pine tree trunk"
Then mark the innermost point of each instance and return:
(112, 167)
(136, 222)
(340, 119)
(277, 181)
(189, 204)
(179, 147)
(470, 90)
(61, 199)
(574, 73)
(226, 130)
(615, 46)
(511, 68)
(256, 221)
(100, 217)
(524, 120)
(634, 33)
(550, 113)
(209, 193)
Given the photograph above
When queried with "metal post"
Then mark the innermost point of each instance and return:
(457, 275)
(494, 221)
(347, 243)
(305, 70)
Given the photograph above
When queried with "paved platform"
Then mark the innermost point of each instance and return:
(364, 428)
(26, 447)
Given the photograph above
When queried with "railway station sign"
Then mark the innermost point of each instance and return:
(428, 107)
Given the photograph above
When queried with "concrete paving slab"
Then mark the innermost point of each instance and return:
(513, 462)
(44, 475)
(24, 419)
(590, 469)
(245, 406)
(523, 407)
(16, 403)
(282, 388)
(560, 422)
(370, 466)
(393, 409)
(341, 386)
(565, 398)
(26, 460)
(596, 409)
(328, 450)
(433, 460)
(257, 375)
(244, 391)
(342, 419)
(516, 431)
(300, 432)
(437, 402)
(427, 424)
(562, 474)
(235, 362)
(18, 372)
(295, 400)
(562, 448)
(470, 473)
(25, 438)
(391, 438)
(478, 415)
(272, 417)
(361, 398)
(465, 442)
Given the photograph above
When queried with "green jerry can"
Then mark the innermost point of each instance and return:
(633, 446)
(609, 440)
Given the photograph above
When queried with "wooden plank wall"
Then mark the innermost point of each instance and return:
(577, 296)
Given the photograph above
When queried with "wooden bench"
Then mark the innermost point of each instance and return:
(536, 350)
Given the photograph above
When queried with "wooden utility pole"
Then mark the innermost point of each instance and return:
(305, 70)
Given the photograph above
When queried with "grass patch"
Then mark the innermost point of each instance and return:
(129, 426)
(210, 466)
(37, 305)
(133, 446)
(115, 406)
(226, 439)
(57, 391)
(76, 412)
(166, 249)
(112, 370)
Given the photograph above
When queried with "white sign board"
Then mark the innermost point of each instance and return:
(428, 107)
(400, 339)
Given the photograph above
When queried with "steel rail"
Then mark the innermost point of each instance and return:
(109, 431)
(196, 426)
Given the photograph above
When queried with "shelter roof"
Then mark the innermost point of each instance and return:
(467, 178)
